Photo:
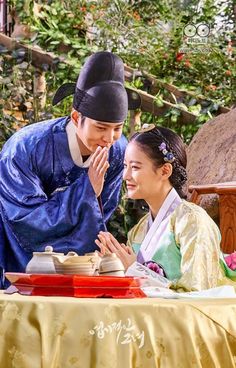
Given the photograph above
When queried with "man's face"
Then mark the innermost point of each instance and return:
(92, 133)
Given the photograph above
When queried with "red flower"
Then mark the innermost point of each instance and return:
(211, 87)
(231, 261)
(136, 15)
(228, 72)
(187, 63)
(179, 56)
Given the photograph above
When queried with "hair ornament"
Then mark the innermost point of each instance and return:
(168, 156)
(146, 127)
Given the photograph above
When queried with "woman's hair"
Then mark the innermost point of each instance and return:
(163, 145)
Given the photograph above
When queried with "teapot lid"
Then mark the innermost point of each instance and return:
(47, 251)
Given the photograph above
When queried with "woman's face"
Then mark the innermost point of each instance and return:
(143, 181)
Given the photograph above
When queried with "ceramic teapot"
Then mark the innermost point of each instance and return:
(42, 262)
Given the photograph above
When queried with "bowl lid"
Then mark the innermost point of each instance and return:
(47, 251)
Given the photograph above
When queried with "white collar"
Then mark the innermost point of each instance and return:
(158, 226)
(74, 146)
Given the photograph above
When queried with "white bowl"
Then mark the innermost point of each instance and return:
(110, 263)
(82, 269)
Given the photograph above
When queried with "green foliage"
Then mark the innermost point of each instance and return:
(148, 35)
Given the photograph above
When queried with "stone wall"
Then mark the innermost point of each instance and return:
(212, 157)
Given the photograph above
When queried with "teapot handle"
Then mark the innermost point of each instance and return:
(72, 253)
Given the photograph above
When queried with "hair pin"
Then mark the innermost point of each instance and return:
(146, 127)
(168, 156)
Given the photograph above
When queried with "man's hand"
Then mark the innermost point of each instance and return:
(97, 169)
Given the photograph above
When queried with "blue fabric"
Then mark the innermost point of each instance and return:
(46, 199)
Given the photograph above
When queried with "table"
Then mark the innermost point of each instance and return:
(59, 332)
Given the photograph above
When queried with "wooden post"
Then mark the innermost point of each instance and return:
(131, 123)
(227, 210)
(134, 121)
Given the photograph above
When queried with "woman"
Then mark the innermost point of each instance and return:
(176, 238)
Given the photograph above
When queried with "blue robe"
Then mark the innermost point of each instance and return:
(45, 199)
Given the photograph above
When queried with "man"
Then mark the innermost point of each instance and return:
(60, 179)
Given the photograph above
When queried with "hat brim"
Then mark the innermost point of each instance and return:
(134, 99)
(65, 90)
(68, 89)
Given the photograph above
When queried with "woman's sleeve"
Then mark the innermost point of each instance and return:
(199, 240)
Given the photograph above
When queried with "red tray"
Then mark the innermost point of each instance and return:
(77, 286)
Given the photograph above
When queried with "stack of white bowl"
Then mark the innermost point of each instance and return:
(74, 264)
(111, 265)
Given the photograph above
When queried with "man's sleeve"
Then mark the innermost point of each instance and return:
(113, 182)
(36, 219)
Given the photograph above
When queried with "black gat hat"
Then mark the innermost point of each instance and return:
(99, 92)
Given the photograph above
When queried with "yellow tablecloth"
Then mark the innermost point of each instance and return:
(61, 332)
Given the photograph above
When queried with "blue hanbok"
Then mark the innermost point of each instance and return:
(47, 199)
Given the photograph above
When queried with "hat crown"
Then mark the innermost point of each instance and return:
(100, 67)
(99, 93)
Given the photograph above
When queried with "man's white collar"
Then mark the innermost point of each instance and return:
(74, 146)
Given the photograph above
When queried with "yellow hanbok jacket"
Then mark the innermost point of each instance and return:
(188, 249)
